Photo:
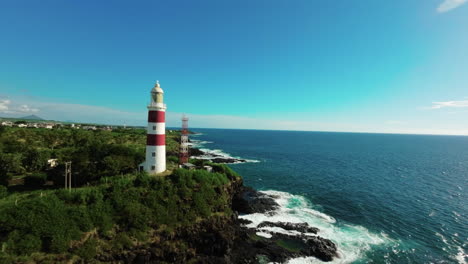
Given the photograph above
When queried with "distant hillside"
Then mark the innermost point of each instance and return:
(31, 117)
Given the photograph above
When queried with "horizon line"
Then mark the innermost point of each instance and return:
(260, 129)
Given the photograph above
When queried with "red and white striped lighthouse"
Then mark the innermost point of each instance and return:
(156, 132)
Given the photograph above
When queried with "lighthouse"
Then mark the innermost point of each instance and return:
(156, 133)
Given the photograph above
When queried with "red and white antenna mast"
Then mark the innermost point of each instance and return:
(184, 145)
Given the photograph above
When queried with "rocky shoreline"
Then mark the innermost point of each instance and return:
(278, 247)
(229, 240)
(196, 153)
(298, 240)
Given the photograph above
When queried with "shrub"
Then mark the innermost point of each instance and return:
(142, 180)
(37, 179)
(122, 241)
(23, 244)
(88, 250)
(80, 216)
(173, 159)
(101, 216)
(3, 191)
(136, 215)
(226, 170)
(201, 205)
(43, 217)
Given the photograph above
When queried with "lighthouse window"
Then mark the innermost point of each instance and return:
(152, 167)
(154, 127)
(154, 154)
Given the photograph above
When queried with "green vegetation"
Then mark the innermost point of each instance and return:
(121, 211)
(116, 210)
(94, 154)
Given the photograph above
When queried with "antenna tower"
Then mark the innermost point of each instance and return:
(184, 146)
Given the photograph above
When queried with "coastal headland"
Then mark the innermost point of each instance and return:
(120, 216)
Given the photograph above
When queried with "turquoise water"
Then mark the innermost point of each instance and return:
(382, 198)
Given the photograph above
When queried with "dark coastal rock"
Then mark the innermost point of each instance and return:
(227, 160)
(300, 227)
(244, 221)
(321, 248)
(280, 247)
(195, 153)
(249, 201)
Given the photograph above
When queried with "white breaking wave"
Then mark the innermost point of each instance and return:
(210, 154)
(461, 256)
(218, 153)
(352, 241)
(199, 143)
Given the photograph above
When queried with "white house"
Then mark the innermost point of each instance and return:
(7, 123)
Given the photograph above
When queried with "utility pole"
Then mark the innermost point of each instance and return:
(184, 144)
(68, 175)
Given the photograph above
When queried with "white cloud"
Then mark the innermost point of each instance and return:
(26, 109)
(439, 105)
(7, 107)
(448, 5)
(4, 105)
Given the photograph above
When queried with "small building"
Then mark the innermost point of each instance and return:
(22, 125)
(208, 168)
(46, 125)
(52, 163)
(89, 127)
(188, 166)
(7, 123)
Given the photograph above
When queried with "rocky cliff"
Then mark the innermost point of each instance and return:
(226, 239)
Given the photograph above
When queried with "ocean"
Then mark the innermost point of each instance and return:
(382, 198)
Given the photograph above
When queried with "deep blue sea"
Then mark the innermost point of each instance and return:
(382, 198)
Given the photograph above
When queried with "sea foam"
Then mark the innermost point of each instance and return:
(210, 154)
(461, 256)
(353, 241)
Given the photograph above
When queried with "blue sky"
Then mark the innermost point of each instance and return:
(364, 65)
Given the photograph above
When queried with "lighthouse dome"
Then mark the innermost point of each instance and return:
(157, 94)
(157, 88)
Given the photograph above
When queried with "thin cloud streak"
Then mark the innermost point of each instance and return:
(104, 115)
(448, 5)
(457, 104)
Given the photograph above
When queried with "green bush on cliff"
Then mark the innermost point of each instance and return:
(49, 221)
(3, 191)
(41, 222)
